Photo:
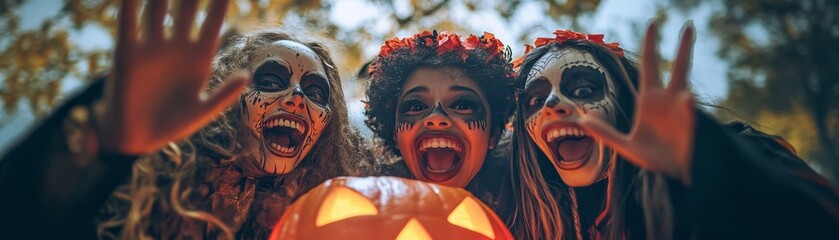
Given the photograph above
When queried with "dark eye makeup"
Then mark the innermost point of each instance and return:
(466, 104)
(535, 93)
(271, 77)
(412, 107)
(583, 84)
(316, 88)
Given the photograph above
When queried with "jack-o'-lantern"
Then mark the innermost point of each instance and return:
(388, 208)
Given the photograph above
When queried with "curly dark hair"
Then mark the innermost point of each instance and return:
(493, 73)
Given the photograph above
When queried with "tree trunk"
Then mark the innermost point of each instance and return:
(831, 156)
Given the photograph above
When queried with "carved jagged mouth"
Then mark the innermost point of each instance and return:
(440, 156)
(578, 58)
(583, 65)
(284, 134)
(571, 146)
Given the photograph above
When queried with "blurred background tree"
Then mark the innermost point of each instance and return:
(37, 63)
(784, 73)
(776, 61)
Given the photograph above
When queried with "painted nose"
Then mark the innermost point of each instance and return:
(559, 107)
(294, 101)
(437, 121)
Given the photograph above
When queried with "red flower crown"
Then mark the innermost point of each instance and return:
(565, 35)
(445, 43)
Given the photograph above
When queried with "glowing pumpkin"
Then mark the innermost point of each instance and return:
(388, 208)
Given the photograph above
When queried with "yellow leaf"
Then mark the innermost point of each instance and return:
(93, 63)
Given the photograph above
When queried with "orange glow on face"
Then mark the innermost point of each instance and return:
(443, 116)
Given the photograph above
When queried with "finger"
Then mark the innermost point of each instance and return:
(690, 123)
(185, 19)
(226, 94)
(604, 132)
(212, 25)
(126, 40)
(618, 141)
(649, 66)
(155, 12)
(127, 24)
(681, 66)
(215, 104)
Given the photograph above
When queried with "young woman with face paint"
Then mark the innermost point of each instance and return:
(440, 103)
(287, 132)
(594, 158)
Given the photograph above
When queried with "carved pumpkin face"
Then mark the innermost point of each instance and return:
(388, 208)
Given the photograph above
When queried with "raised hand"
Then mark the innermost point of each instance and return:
(661, 139)
(156, 91)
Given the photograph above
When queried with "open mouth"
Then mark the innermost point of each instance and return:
(440, 156)
(284, 134)
(571, 146)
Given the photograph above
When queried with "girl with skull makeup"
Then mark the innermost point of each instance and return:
(440, 103)
(287, 132)
(595, 158)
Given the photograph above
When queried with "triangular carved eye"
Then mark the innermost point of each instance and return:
(469, 214)
(413, 230)
(343, 203)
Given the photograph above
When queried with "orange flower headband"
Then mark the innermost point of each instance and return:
(565, 35)
(445, 43)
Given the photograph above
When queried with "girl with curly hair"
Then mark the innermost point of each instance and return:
(440, 102)
(603, 151)
(287, 132)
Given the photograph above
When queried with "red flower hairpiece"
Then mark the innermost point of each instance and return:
(565, 35)
(444, 43)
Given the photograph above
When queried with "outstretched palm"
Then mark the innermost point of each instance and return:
(155, 93)
(661, 139)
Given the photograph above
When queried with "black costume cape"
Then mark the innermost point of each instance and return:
(746, 184)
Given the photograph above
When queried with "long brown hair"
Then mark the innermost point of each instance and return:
(546, 208)
(163, 197)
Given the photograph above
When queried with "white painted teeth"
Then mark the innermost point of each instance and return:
(282, 149)
(576, 57)
(555, 133)
(285, 123)
(440, 143)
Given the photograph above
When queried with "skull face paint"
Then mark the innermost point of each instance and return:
(561, 87)
(286, 106)
(442, 126)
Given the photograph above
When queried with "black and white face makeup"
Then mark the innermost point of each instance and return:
(286, 106)
(561, 87)
(442, 126)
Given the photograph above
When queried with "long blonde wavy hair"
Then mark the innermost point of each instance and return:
(162, 196)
